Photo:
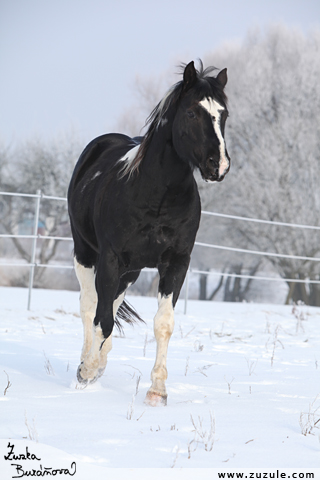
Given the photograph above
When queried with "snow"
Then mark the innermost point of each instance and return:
(246, 376)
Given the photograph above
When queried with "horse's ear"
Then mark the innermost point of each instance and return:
(222, 77)
(189, 76)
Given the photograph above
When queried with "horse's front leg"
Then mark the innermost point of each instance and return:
(171, 280)
(95, 361)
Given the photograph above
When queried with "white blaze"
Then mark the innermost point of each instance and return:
(215, 109)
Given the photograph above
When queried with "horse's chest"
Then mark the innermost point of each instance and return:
(147, 242)
(147, 229)
(154, 235)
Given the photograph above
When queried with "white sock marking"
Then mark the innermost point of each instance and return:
(88, 303)
(93, 356)
(163, 328)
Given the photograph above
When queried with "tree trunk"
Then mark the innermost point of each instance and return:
(315, 295)
(236, 293)
(203, 287)
(203, 284)
(298, 292)
(216, 290)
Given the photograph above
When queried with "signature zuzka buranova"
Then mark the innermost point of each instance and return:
(40, 471)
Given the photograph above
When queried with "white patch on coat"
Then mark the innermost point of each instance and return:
(215, 109)
(163, 122)
(127, 160)
(163, 328)
(96, 175)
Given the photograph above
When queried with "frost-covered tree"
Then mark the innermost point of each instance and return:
(274, 139)
(31, 166)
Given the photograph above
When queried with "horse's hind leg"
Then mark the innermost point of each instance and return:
(106, 282)
(88, 306)
(88, 303)
(109, 298)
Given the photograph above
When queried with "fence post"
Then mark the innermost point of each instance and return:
(186, 293)
(34, 246)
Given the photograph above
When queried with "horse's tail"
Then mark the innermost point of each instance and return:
(128, 314)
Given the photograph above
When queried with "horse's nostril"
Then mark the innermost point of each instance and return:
(213, 162)
(213, 165)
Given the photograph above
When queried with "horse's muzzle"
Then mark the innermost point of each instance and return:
(214, 170)
(224, 173)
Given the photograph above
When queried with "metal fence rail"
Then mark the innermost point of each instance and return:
(35, 237)
(258, 220)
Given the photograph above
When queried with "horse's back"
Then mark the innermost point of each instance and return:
(95, 164)
(102, 152)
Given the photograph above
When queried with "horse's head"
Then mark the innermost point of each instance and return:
(199, 123)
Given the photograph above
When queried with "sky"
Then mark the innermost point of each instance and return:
(70, 65)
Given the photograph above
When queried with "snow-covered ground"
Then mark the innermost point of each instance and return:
(243, 387)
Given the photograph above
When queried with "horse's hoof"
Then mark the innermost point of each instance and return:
(84, 381)
(81, 380)
(100, 373)
(155, 400)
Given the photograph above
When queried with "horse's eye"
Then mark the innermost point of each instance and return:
(191, 114)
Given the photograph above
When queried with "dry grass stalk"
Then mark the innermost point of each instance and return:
(47, 365)
(202, 435)
(187, 366)
(32, 431)
(8, 384)
(310, 420)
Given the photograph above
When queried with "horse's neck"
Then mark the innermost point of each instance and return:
(162, 162)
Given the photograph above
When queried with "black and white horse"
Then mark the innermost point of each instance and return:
(134, 203)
